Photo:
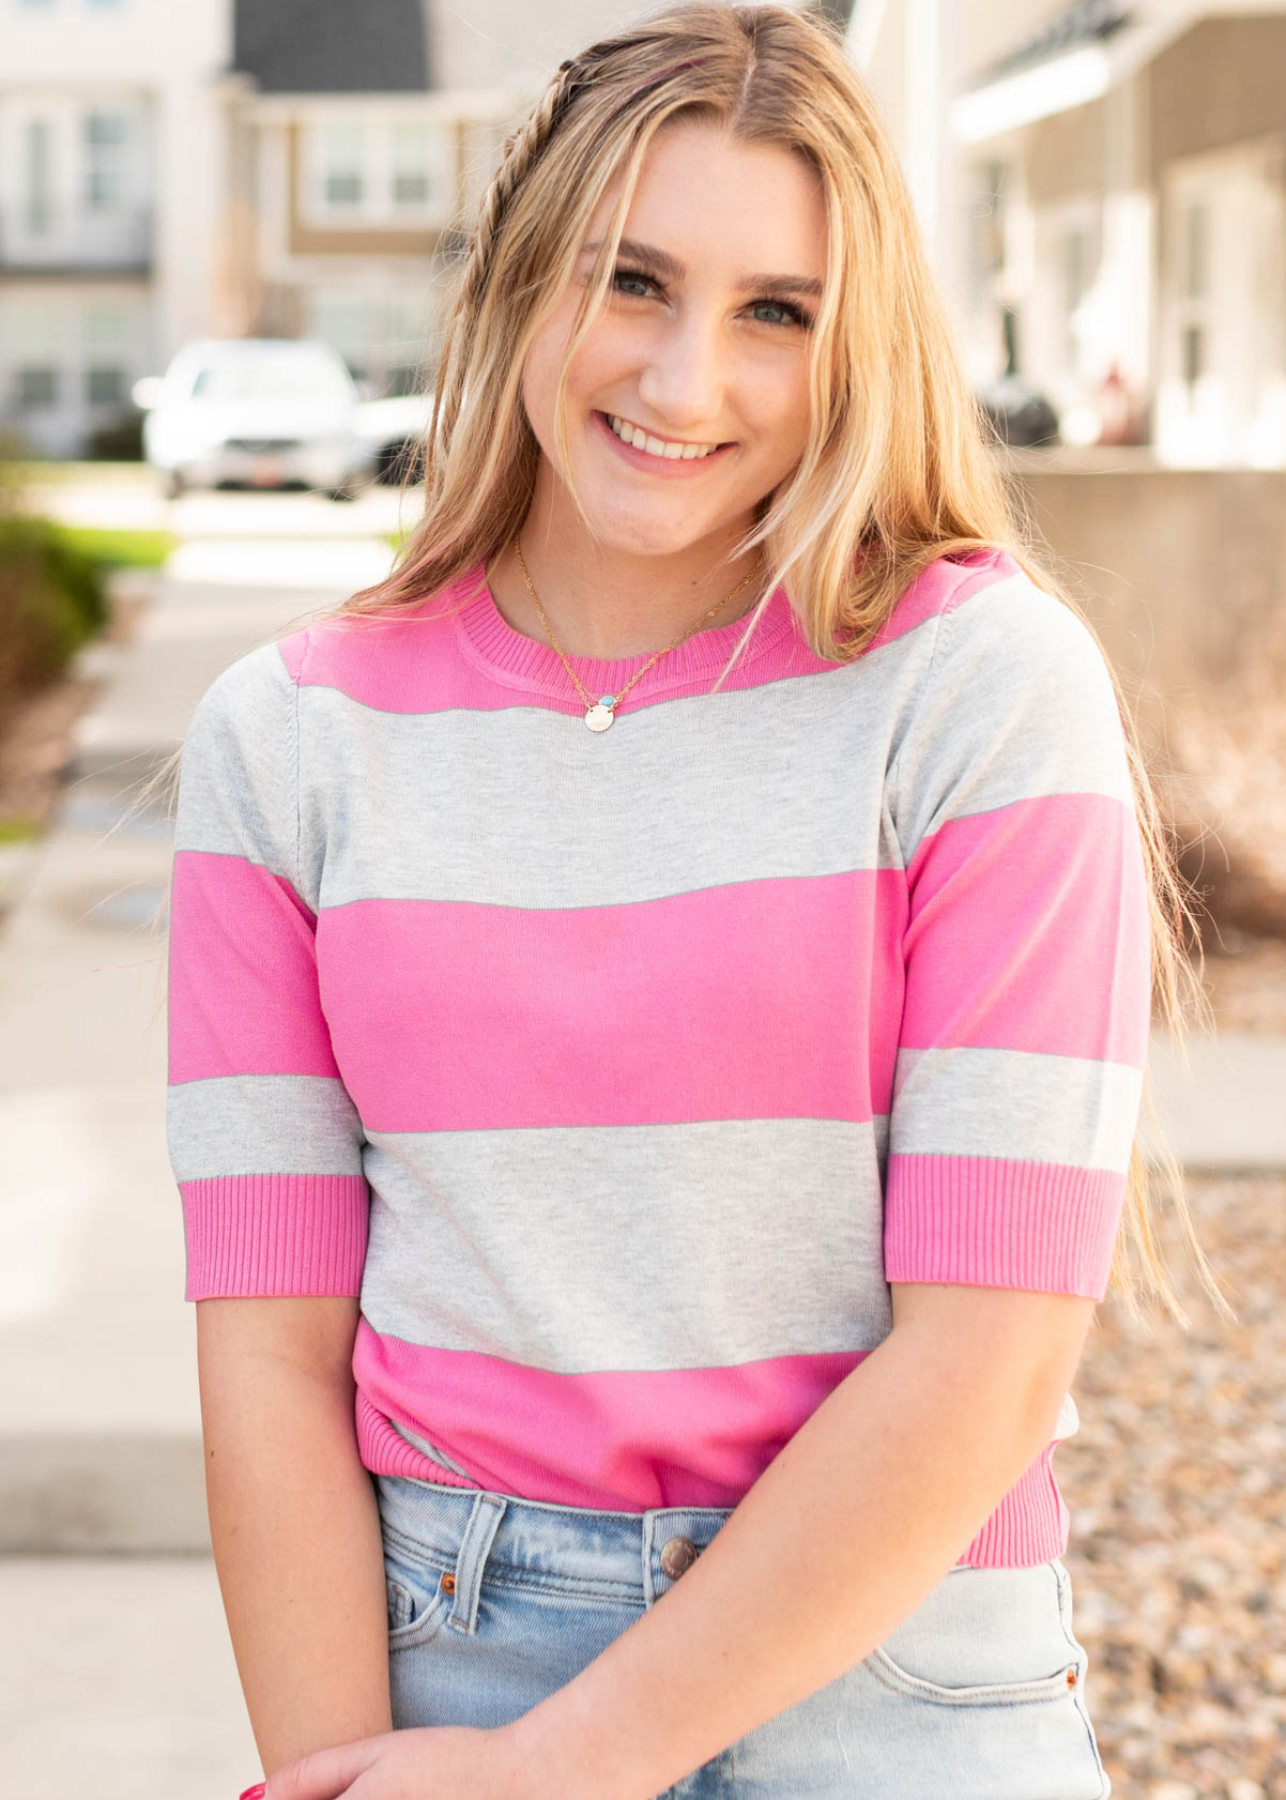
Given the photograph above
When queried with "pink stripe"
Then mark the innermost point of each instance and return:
(1031, 1524)
(616, 1438)
(275, 1234)
(243, 978)
(991, 1223)
(943, 586)
(629, 1441)
(431, 659)
(403, 665)
(1030, 931)
(527, 1017)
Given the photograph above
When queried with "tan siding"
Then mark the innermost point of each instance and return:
(1224, 82)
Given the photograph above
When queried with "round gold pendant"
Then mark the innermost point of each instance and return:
(599, 717)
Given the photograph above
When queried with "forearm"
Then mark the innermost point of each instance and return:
(296, 1534)
(842, 1536)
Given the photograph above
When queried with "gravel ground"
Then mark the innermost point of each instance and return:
(1176, 1484)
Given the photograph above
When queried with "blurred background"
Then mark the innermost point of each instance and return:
(228, 232)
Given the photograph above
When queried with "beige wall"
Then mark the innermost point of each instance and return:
(1182, 570)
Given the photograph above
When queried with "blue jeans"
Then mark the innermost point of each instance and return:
(977, 1695)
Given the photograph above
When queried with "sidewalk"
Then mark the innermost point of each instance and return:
(99, 1414)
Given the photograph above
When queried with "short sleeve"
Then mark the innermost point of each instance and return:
(263, 1137)
(1026, 957)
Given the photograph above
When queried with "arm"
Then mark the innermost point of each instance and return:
(294, 1521)
(266, 1148)
(840, 1538)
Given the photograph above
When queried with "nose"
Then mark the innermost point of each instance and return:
(684, 381)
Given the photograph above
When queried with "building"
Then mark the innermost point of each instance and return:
(1126, 179)
(111, 171)
(242, 167)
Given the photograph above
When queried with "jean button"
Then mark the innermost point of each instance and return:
(679, 1554)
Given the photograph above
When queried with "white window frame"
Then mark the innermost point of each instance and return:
(377, 164)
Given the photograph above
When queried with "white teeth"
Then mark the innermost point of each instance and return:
(654, 446)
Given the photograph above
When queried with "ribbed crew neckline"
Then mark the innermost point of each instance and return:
(520, 661)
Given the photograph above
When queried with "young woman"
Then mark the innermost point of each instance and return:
(659, 996)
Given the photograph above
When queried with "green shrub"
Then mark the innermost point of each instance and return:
(52, 599)
(120, 440)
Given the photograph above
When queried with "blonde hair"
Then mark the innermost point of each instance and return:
(897, 471)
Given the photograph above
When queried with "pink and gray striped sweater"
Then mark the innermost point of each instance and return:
(619, 1074)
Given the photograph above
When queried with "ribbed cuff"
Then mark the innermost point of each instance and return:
(275, 1234)
(989, 1223)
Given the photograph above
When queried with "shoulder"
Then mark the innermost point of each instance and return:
(264, 677)
(998, 639)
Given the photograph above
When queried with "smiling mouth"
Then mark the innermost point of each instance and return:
(663, 449)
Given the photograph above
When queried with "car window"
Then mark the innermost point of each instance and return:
(295, 379)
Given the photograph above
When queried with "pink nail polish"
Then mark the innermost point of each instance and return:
(254, 1793)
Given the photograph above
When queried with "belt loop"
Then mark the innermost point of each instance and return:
(475, 1546)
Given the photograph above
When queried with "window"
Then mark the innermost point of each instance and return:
(38, 184)
(106, 140)
(377, 170)
(343, 160)
(37, 387)
(105, 387)
(412, 174)
(1196, 236)
(1076, 281)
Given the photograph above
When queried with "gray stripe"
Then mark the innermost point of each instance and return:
(1019, 703)
(1015, 1104)
(262, 1124)
(237, 777)
(630, 1247)
(524, 807)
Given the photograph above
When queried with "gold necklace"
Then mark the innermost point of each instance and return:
(600, 713)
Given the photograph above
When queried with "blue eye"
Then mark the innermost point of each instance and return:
(795, 315)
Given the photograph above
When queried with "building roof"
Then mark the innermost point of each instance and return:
(332, 46)
(1087, 22)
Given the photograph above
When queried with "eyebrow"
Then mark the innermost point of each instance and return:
(672, 269)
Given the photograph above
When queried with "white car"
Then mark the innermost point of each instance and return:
(258, 412)
(395, 429)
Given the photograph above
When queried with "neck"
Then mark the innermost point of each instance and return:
(609, 604)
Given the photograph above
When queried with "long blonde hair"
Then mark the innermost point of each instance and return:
(897, 471)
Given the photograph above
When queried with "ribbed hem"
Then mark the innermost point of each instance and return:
(384, 1451)
(275, 1234)
(1031, 1524)
(989, 1223)
(521, 661)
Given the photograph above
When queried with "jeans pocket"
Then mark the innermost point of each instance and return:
(418, 1604)
(984, 1637)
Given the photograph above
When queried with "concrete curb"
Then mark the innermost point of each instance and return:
(102, 1491)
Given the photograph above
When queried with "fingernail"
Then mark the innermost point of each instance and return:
(254, 1793)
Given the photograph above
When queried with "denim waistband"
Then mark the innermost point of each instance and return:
(624, 1555)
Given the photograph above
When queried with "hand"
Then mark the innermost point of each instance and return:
(439, 1762)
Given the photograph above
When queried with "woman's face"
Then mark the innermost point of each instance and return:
(703, 340)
